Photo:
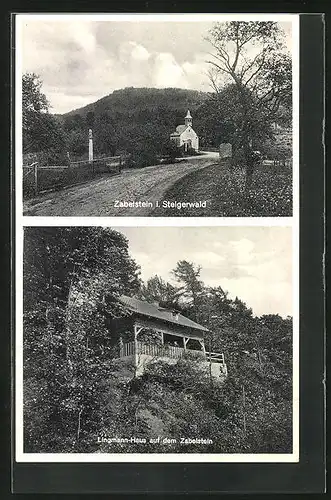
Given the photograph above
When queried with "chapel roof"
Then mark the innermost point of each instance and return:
(180, 128)
(154, 311)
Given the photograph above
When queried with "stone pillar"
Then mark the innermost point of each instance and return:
(90, 146)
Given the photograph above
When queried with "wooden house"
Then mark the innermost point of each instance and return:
(150, 332)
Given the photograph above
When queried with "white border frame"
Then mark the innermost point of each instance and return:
(21, 221)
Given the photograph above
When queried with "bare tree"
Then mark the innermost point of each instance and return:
(251, 58)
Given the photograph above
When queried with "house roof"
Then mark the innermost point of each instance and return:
(153, 311)
(180, 128)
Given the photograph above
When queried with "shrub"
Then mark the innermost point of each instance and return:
(171, 151)
(141, 158)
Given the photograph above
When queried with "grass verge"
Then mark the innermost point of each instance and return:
(221, 191)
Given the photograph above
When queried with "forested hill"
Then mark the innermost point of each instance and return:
(145, 103)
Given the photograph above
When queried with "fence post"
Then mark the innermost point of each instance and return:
(36, 178)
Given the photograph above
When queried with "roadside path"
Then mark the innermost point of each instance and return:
(105, 196)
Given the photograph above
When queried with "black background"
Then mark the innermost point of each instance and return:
(307, 475)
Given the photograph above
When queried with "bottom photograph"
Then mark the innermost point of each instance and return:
(156, 340)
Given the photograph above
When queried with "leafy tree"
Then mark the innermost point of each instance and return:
(33, 99)
(73, 122)
(187, 275)
(106, 140)
(250, 56)
(215, 125)
(156, 289)
(141, 143)
(77, 142)
(68, 275)
(41, 130)
(90, 119)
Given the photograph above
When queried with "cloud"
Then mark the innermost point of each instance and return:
(167, 72)
(83, 35)
(80, 62)
(139, 52)
(92, 58)
(253, 263)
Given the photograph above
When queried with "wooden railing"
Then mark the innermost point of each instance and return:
(215, 357)
(167, 351)
(128, 349)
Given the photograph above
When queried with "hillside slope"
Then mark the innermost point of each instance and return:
(138, 101)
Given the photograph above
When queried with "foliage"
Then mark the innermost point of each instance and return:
(156, 289)
(170, 151)
(33, 99)
(77, 144)
(178, 401)
(41, 130)
(137, 122)
(250, 58)
(68, 272)
(187, 275)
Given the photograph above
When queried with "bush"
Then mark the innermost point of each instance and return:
(141, 158)
(171, 151)
(189, 152)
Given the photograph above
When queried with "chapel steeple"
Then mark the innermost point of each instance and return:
(188, 118)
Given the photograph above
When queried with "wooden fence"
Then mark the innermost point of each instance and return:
(38, 178)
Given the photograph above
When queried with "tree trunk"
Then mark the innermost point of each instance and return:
(249, 175)
(249, 170)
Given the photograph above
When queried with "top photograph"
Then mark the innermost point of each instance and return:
(156, 115)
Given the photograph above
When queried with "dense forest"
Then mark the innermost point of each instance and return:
(74, 390)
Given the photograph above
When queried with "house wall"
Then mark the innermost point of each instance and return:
(175, 139)
(189, 134)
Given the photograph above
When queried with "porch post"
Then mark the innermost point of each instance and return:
(202, 342)
(135, 347)
(185, 342)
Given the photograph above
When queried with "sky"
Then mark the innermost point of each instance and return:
(253, 263)
(80, 61)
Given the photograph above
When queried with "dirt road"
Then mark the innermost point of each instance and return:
(133, 193)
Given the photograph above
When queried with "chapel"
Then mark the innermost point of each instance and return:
(185, 136)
